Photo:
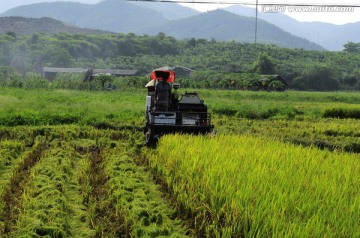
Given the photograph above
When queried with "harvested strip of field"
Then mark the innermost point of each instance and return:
(138, 200)
(51, 206)
(10, 153)
(103, 217)
(81, 182)
(11, 197)
(239, 186)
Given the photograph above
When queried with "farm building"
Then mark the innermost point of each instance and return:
(50, 73)
(180, 71)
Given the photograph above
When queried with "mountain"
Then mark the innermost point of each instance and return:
(149, 18)
(330, 36)
(224, 26)
(110, 15)
(170, 11)
(335, 39)
(27, 26)
(6, 5)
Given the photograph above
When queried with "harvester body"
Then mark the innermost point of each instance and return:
(185, 114)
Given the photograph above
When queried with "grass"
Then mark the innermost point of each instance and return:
(117, 108)
(278, 105)
(53, 107)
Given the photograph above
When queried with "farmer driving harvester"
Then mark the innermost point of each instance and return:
(161, 89)
(163, 92)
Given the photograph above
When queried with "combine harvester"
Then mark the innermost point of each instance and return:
(178, 114)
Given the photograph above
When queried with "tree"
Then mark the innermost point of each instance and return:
(5, 54)
(18, 63)
(317, 78)
(352, 47)
(9, 77)
(34, 38)
(264, 64)
(58, 57)
(11, 34)
(191, 42)
(350, 80)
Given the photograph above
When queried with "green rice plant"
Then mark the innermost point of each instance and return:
(53, 107)
(342, 113)
(242, 186)
(278, 105)
(332, 134)
(125, 107)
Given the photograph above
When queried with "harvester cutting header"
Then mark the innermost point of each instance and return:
(168, 112)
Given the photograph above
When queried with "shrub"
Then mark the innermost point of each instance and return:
(35, 81)
(342, 113)
(10, 78)
(68, 81)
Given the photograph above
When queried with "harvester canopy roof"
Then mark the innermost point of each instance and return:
(159, 74)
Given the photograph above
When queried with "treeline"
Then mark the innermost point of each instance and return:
(225, 64)
(199, 79)
(9, 78)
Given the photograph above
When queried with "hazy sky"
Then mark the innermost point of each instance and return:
(7, 4)
(300, 14)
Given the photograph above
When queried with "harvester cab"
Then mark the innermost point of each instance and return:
(169, 112)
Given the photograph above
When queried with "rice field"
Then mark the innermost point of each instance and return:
(74, 164)
(243, 186)
(72, 181)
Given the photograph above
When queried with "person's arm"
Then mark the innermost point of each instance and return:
(169, 95)
(156, 91)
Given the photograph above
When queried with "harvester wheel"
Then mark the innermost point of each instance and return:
(149, 138)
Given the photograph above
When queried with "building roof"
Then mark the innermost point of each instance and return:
(119, 72)
(175, 68)
(277, 77)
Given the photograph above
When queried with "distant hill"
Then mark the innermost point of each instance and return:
(170, 11)
(330, 36)
(6, 5)
(110, 15)
(224, 26)
(152, 18)
(27, 26)
(335, 38)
